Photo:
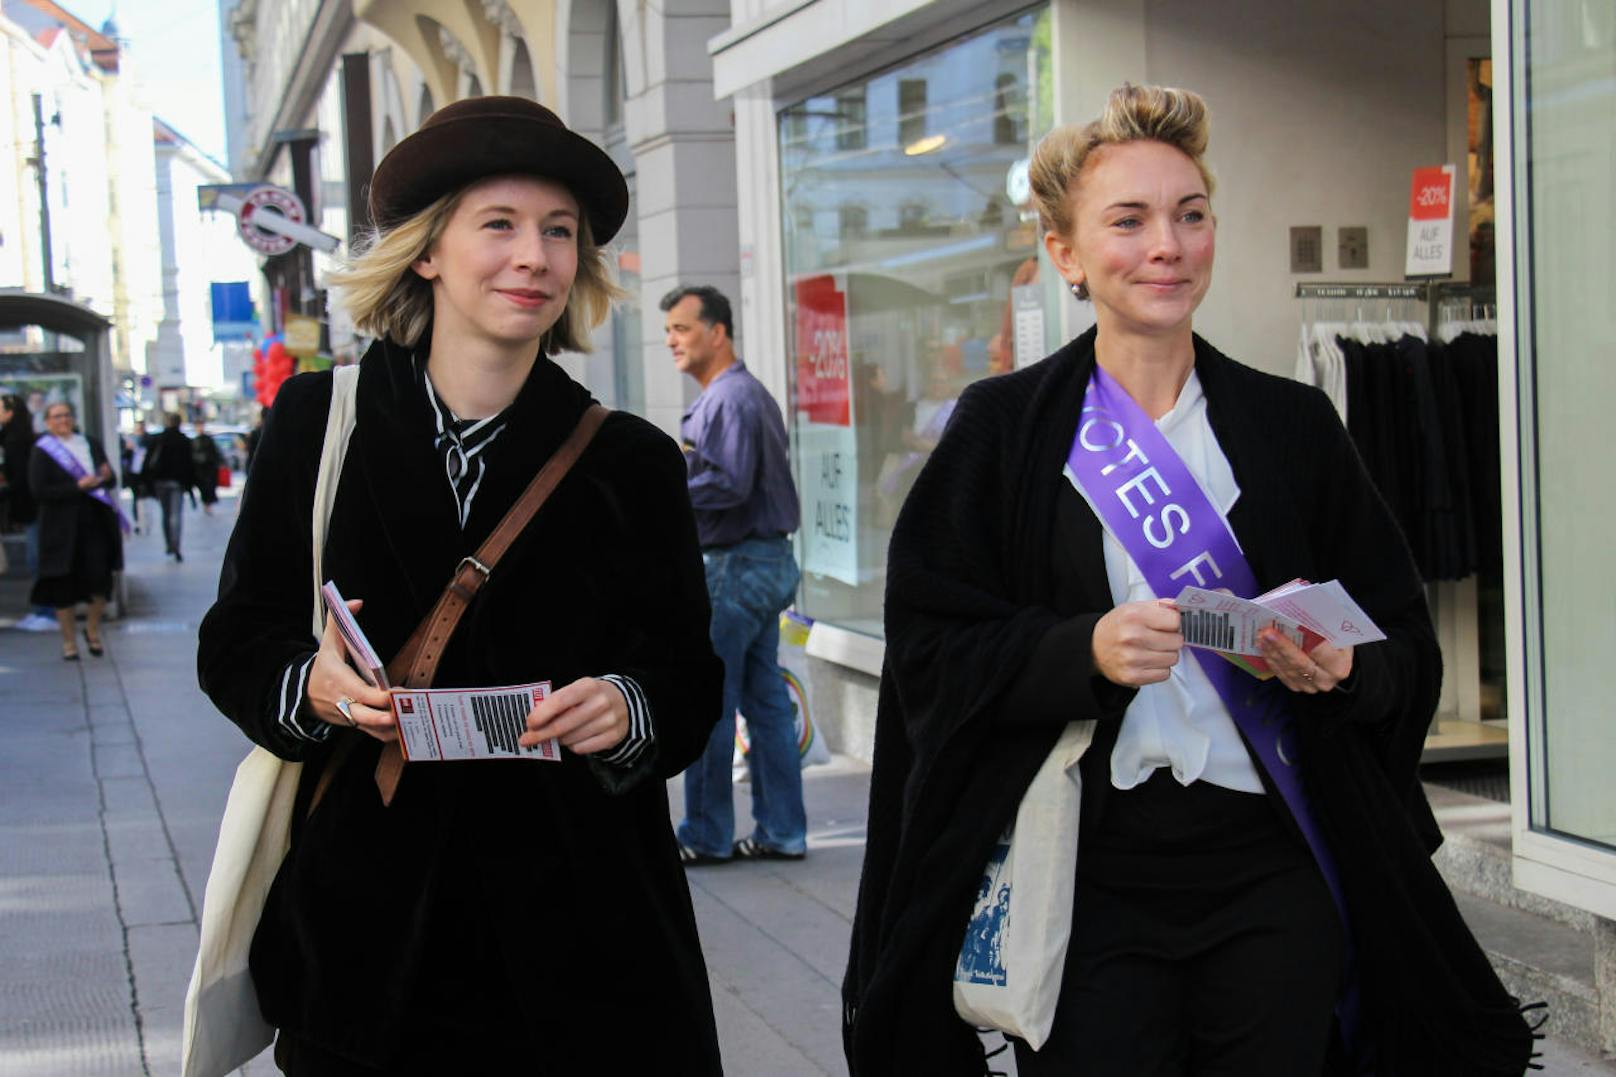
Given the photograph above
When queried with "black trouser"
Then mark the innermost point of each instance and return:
(1204, 942)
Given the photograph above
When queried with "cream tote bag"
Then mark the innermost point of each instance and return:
(1009, 972)
(223, 1026)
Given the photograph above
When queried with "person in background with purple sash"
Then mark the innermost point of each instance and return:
(1254, 892)
(80, 542)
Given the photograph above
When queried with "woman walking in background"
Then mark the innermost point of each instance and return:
(80, 544)
(16, 443)
(205, 461)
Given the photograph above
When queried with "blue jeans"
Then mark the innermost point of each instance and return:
(171, 496)
(749, 584)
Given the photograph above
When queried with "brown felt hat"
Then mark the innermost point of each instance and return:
(496, 136)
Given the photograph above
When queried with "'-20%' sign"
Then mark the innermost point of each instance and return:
(826, 439)
(1430, 223)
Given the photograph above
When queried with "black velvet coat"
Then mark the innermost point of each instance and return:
(56, 495)
(996, 578)
(556, 887)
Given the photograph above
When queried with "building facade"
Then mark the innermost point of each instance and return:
(336, 85)
(100, 206)
(887, 250)
(100, 185)
(199, 249)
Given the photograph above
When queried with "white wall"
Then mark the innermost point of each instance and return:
(206, 249)
(1320, 113)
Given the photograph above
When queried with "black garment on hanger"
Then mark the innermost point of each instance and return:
(1408, 415)
(1475, 373)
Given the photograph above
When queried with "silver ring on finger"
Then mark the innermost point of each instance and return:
(343, 705)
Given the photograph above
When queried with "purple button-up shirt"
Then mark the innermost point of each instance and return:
(737, 462)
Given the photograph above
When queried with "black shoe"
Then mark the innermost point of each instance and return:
(178, 557)
(94, 645)
(692, 859)
(748, 849)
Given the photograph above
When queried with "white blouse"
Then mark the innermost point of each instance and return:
(79, 446)
(1180, 722)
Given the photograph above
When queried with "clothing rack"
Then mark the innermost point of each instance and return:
(1457, 733)
(1432, 293)
(1364, 291)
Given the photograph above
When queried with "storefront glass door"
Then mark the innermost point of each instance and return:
(1564, 218)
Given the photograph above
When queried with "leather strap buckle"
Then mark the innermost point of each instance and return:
(463, 591)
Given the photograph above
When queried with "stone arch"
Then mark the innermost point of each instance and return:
(522, 83)
(394, 118)
(580, 78)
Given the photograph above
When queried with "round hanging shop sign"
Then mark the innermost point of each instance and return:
(268, 201)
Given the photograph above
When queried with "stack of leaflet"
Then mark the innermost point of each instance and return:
(1305, 613)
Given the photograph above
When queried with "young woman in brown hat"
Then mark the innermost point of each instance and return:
(507, 916)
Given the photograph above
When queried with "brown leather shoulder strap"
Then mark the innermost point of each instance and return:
(417, 661)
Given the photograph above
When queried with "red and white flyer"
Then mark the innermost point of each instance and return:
(360, 653)
(447, 724)
(1305, 613)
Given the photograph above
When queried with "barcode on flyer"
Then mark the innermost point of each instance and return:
(501, 718)
(1206, 628)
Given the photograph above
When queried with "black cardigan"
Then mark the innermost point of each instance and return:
(987, 659)
(574, 890)
(57, 497)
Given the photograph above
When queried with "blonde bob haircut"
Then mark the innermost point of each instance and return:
(387, 298)
(1177, 118)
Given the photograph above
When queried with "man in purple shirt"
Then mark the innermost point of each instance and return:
(746, 508)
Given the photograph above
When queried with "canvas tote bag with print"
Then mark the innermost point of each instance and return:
(224, 1028)
(1009, 972)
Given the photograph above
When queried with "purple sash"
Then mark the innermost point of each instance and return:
(69, 463)
(1149, 501)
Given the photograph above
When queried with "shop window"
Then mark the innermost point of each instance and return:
(850, 121)
(911, 299)
(854, 221)
(1564, 170)
(1009, 110)
(911, 112)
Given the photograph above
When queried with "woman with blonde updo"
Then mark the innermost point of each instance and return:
(1253, 889)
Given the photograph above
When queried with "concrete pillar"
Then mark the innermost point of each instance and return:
(1605, 982)
(684, 150)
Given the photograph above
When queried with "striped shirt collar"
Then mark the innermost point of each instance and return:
(461, 443)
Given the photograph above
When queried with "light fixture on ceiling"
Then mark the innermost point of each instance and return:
(928, 144)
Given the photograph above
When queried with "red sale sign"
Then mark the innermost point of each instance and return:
(1430, 223)
(824, 375)
(1431, 196)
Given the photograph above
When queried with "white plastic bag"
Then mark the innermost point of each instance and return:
(1008, 975)
(223, 1027)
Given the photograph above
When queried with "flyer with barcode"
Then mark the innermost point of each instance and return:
(1305, 613)
(447, 724)
(1221, 622)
